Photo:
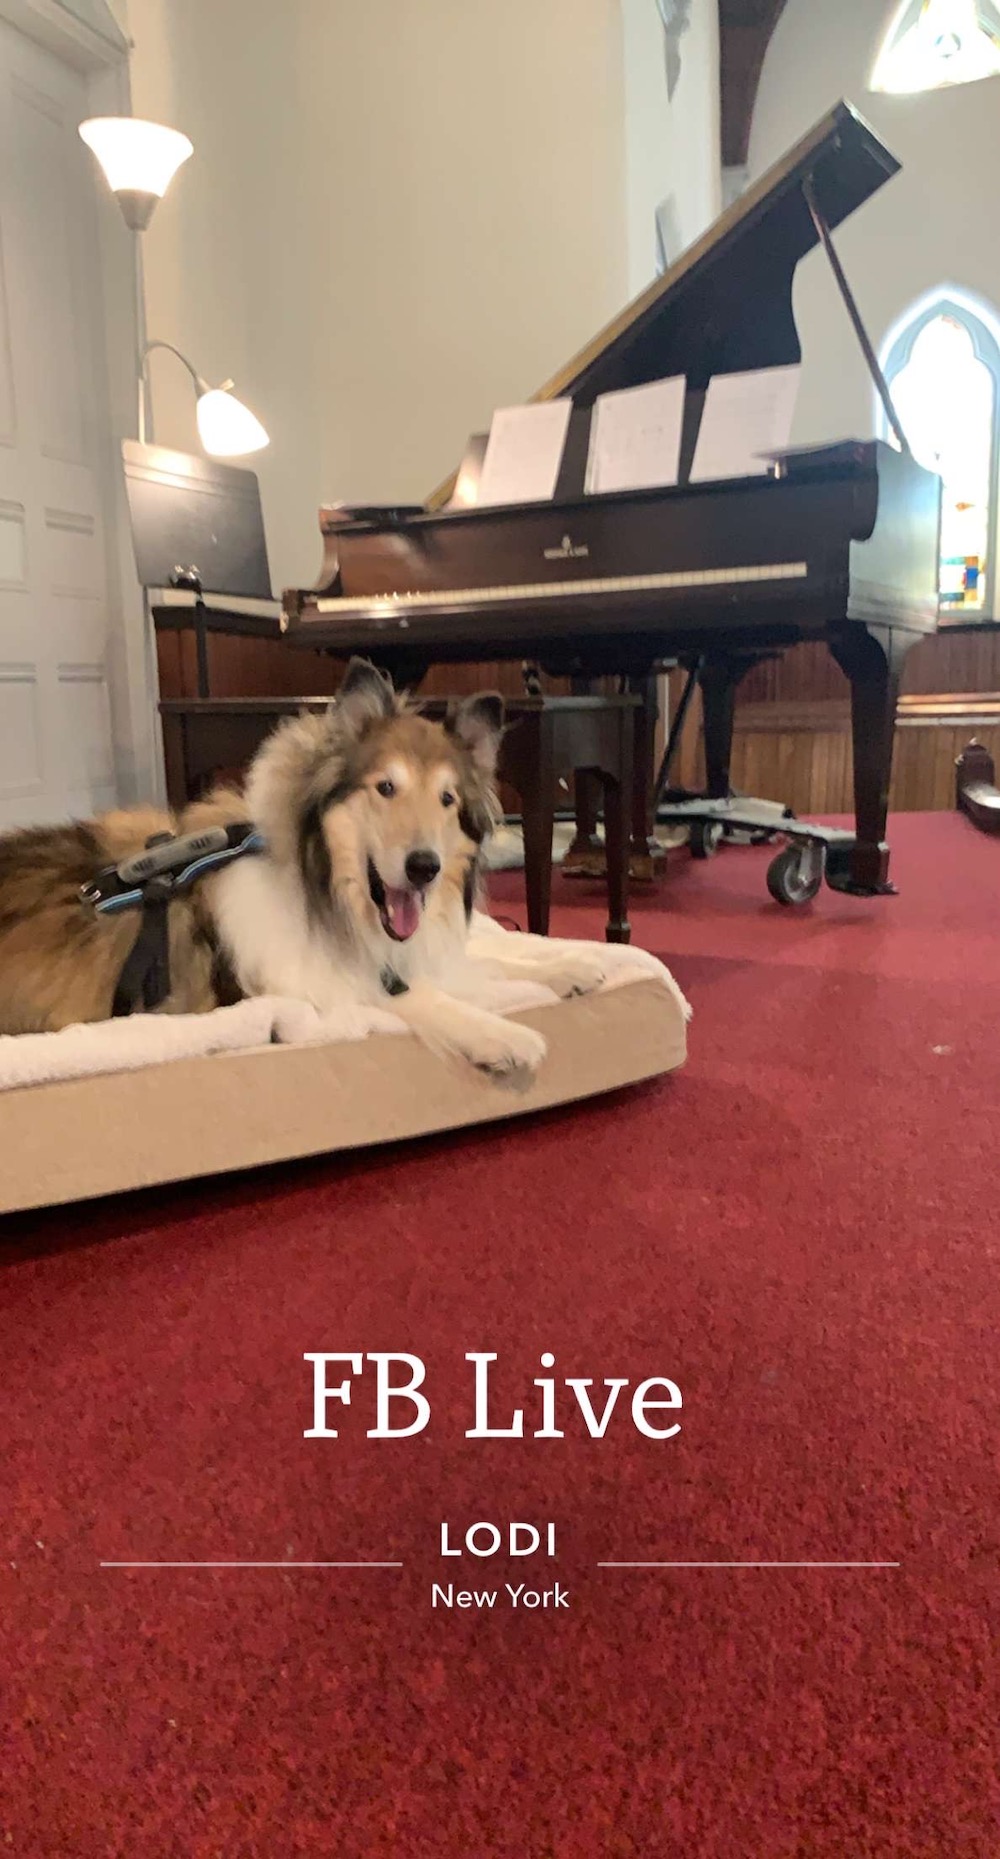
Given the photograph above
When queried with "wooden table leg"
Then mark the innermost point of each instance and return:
(585, 856)
(617, 810)
(537, 795)
(648, 856)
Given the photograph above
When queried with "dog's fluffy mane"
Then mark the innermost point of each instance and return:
(312, 761)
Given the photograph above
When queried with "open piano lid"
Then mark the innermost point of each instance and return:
(726, 305)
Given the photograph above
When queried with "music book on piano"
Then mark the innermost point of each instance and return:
(746, 420)
(524, 452)
(635, 437)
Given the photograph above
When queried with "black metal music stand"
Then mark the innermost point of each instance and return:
(198, 525)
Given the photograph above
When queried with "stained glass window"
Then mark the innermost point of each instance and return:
(936, 42)
(943, 370)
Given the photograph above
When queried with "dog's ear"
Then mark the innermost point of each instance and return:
(365, 696)
(478, 724)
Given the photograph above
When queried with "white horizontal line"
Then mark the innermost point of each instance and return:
(388, 605)
(251, 1565)
(749, 1565)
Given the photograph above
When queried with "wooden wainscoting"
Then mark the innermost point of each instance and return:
(792, 739)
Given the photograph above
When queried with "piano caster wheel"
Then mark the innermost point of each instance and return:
(704, 838)
(795, 876)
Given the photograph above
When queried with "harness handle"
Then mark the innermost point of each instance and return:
(165, 852)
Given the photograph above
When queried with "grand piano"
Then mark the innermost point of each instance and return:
(838, 543)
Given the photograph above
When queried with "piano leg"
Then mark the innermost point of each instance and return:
(719, 679)
(872, 658)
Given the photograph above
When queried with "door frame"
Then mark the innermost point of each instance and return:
(93, 44)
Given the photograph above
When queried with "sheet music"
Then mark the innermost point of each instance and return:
(524, 452)
(635, 437)
(745, 415)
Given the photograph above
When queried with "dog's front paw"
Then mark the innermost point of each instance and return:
(573, 972)
(510, 1056)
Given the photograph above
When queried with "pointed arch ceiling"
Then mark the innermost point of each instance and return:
(745, 29)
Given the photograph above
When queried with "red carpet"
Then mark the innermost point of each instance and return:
(800, 1230)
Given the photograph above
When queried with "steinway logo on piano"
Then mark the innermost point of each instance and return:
(568, 551)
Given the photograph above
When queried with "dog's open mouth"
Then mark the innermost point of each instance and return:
(400, 911)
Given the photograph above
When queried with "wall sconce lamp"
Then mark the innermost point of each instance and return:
(226, 427)
(139, 161)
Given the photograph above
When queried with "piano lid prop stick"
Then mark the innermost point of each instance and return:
(881, 384)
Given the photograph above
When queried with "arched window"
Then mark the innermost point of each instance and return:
(943, 369)
(934, 42)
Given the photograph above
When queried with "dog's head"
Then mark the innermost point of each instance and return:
(380, 807)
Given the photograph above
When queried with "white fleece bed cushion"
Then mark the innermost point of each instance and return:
(124, 1104)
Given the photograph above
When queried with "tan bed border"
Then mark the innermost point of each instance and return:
(206, 1116)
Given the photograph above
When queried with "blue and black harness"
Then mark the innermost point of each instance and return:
(149, 882)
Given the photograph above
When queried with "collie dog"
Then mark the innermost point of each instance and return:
(373, 820)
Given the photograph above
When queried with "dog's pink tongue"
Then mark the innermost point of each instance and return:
(403, 911)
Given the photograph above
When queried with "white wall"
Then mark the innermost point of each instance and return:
(397, 216)
(672, 143)
(401, 215)
(932, 224)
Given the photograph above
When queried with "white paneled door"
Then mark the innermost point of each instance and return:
(56, 452)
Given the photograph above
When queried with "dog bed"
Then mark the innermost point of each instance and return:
(128, 1104)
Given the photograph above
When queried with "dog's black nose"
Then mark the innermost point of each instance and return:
(422, 868)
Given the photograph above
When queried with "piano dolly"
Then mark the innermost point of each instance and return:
(796, 873)
(813, 852)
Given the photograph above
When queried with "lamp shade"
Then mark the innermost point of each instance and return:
(226, 427)
(933, 43)
(139, 160)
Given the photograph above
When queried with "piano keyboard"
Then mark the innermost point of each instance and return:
(375, 604)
